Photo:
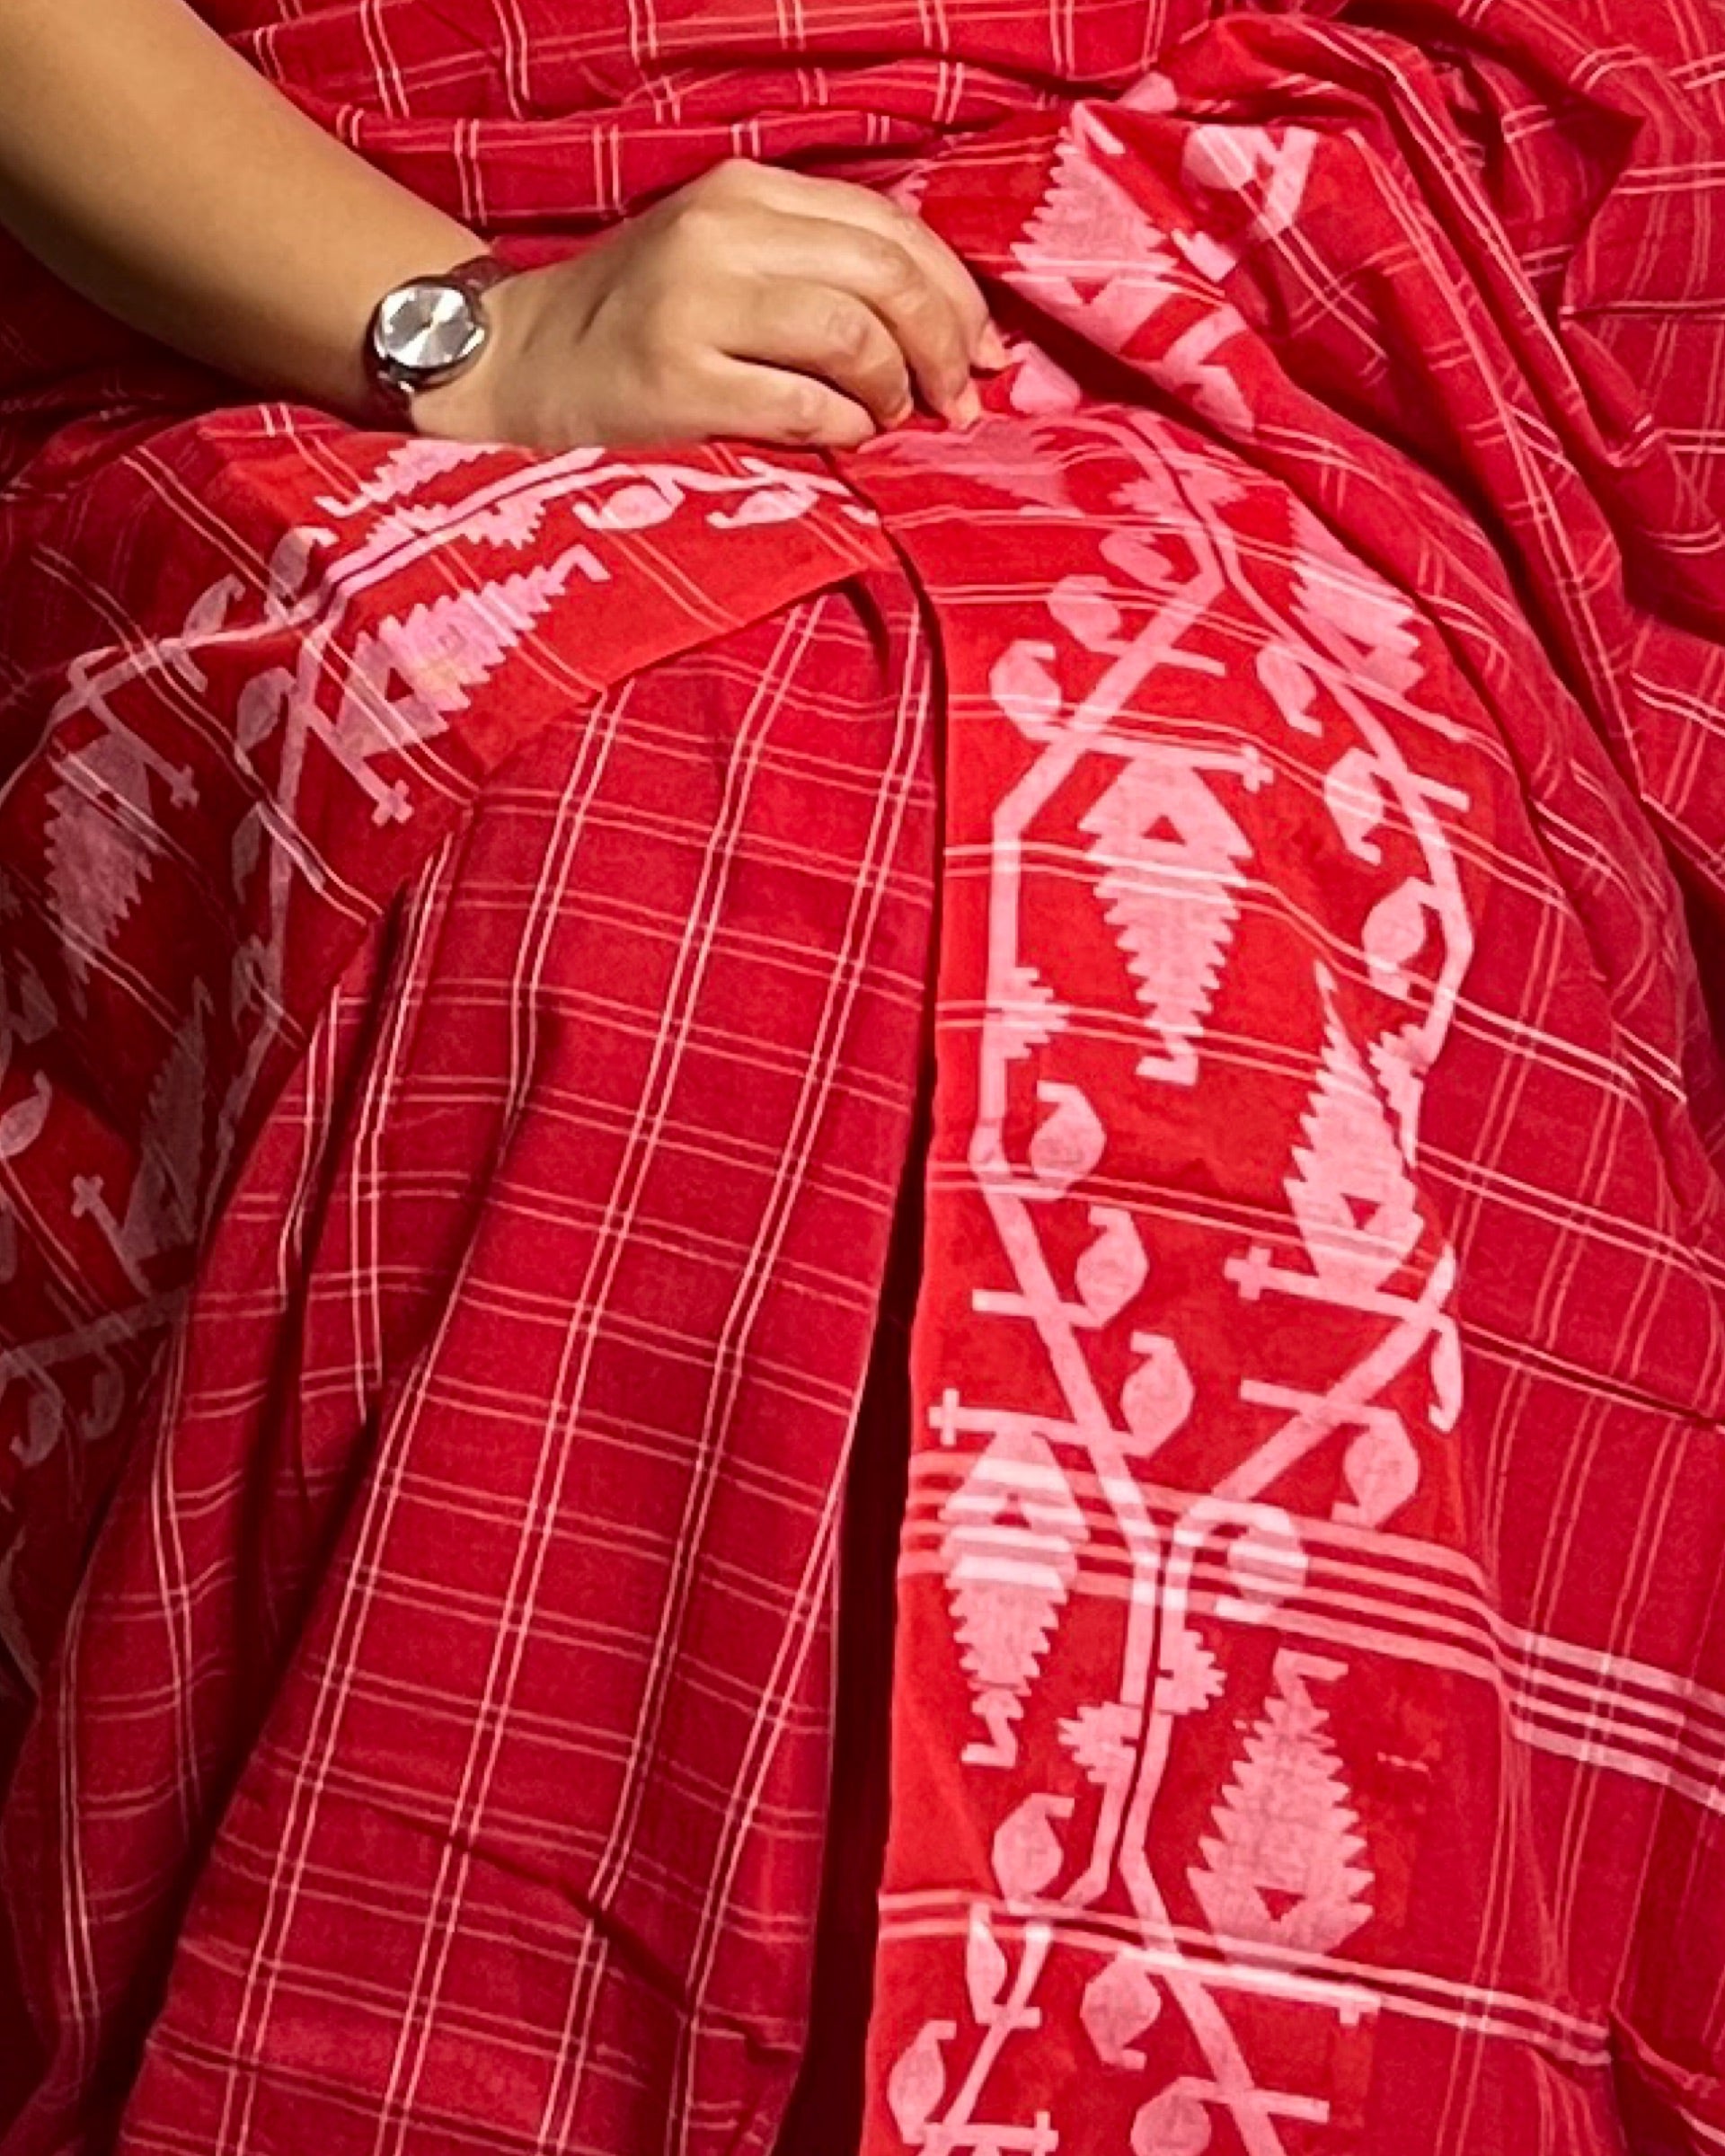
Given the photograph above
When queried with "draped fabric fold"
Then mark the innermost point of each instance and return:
(469, 929)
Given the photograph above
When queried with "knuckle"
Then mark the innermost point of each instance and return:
(729, 179)
(908, 232)
(846, 334)
(802, 411)
(701, 221)
(895, 272)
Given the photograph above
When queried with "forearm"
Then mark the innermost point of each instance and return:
(154, 170)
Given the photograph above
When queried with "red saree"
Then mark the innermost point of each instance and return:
(463, 931)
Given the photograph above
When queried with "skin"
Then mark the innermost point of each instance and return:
(159, 174)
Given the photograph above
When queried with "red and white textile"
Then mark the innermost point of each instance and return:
(463, 931)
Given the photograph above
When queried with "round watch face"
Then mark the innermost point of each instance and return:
(426, 328)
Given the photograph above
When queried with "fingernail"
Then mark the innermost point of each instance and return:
(991, 348)
(966, 408)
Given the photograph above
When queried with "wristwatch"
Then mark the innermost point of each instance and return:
(427, 331)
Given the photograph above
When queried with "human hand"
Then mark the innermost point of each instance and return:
(755, 304)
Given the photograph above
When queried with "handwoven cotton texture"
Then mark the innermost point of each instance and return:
(488, 944)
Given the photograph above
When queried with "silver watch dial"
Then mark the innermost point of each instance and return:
(425, 329)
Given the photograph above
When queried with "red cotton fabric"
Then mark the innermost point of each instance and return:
(471, 932)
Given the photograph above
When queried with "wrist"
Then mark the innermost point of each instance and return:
(524, 386)
(464, 410)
